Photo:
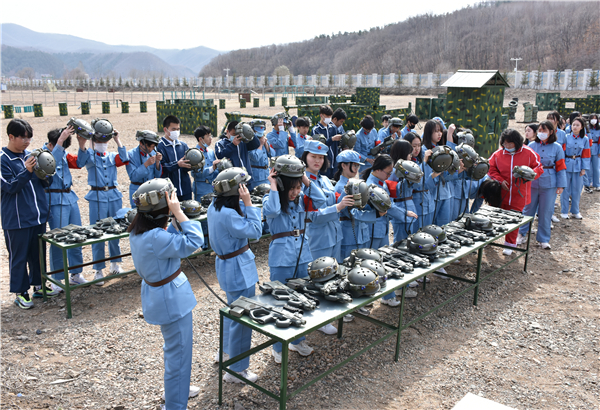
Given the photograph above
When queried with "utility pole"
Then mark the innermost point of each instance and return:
(516, 60)
(226, 76)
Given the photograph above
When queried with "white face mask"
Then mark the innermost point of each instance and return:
(594, 121)
(542, 136)
(174, 135)
(281, 128)
(101, 147)
(327, 120)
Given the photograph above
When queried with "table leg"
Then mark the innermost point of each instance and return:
(424, 282)
(527, 252)
(67, 284)
(477, 274)
(42, 244)
(400, 320)
(284, 376)
(220, 357)
(340, 327)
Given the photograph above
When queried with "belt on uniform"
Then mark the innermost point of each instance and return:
(234, 254)
(136, 183)
(403, 199)
(552, 167)
(164, 281)
(572, 156)
(418, 192)
(295, 232)
(307, 221)
(66, 190)
(102, 188)
(259, 167)
(344, 218)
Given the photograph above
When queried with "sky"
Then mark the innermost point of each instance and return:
(220, 25)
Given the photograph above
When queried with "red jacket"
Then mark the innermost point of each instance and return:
(501, 166)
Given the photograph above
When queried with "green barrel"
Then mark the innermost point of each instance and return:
(222, 104)
(143, 106)
(271, 101)
(284, 101)
(242, 103)
(9, 111)
(62, 109)
(255, 102)
(124, 107)
(105, 107)
(38, 111)
(85, 108)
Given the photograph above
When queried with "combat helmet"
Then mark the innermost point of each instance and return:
(322, 269)
(228, 181)
(82, 128)
(524, 173)
(396, 122)
(289, 166)
(275, 118)
(196, 158)
(438, 232)
(152, 195)
(191, 208)
(362, 254)
(244, 131)
(378, 268)
(441, 158)
(422, 242)
(363, 282)
(359, 191)
(147, 135)
(466, 138)
(224, 164)
(455, 166)
(45, 165)
(320, 138)
(379, 198)
(261, 190)
(478, 222)
(467, 154)
(409, 170)
(103, 130)
(348, 139)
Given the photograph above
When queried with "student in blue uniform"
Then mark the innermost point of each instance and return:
(338, 119)
(591, 179)
(392, 129)
(292, 194)
(105, 198)
(260, 157)
(204, 177)
(556, 120)
(144, 161)
(167, 297)
(235, 149)
(24, 212)
(303, 127)
(366, 139)
(324, 230)
(230, 228)
(385, 122)
(401, 194)
(64, 209)
(327, 128)
(547, 186)
(174, 165)
(280, 139)
(411, 123)
(577, 154)
(422, 199)
(356, 223)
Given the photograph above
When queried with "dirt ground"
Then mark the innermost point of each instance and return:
(532, 343)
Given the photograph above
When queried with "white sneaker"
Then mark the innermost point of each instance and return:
(578, 216)
(564, 216)
(302, 348)
(412, 284)
(328, 329)
(276, 356)
(99, 275)
(194, 391)
(55, 288)
(216, 358)
(364, 311)
(247, 374)
(391, 302)
(551, 225)
(348, 318)
(555, 218)
(409, 293)
(545, 245)
(521, 239)
(77, 279)
(441, 270)
(115, 269)
(597, 188)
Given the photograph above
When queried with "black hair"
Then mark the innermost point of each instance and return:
(550, 127)
(54, 135)
(231, 202)
(302, 122)
(410, 137)
(231, 125)
(142, 223)
(555, 116)
(339, 114)
(400, 150)
(201, 132)
(386, 117)
(340, 169)
(325, 165)
(512, 135)
(19, 128)
(367, 123)
(381, 162)
(491, 191)
(574, 115)
(325, 110)
(432, 126)
(288, 184)
(413, 118)
(583, 127)
(170, 119)
(534, 127)
(597, 126)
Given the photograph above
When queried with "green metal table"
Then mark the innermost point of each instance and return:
(330, 311)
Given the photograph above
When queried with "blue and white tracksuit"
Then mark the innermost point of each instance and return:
(173, 151)
(138, 172)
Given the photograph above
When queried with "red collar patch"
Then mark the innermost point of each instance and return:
(101, 154)
(313, 177)
(380, 183)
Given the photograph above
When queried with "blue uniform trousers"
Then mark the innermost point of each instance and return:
(23, 251)
(177, 350)
(573, 190)
(592, 176)
(334, 251)
(401, 228)
(346, 249)
(101, 210)
(443, 212)
(60, 216)
(281, 273)
(237, 338)
(542, 202)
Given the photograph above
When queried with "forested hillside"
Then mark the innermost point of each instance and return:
(547, 35)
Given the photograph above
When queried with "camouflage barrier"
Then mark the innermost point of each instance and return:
(284, 101)
(62, 109)
(124, 107)
(303, 100)
(105, 107)
(584, 105)
(368, 96)
(221, 104)
(9, 111)
(192, 113)
(38, 111)
(85, 108)
(255, 102)
(547, 101)
(242, 103)
(143, 106)
(271, 101)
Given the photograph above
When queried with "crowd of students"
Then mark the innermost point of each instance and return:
(306, 209)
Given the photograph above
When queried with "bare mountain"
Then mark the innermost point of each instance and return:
(21, 37)
(547, 35)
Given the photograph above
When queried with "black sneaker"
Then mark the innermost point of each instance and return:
(588, 189)
(23, 301)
